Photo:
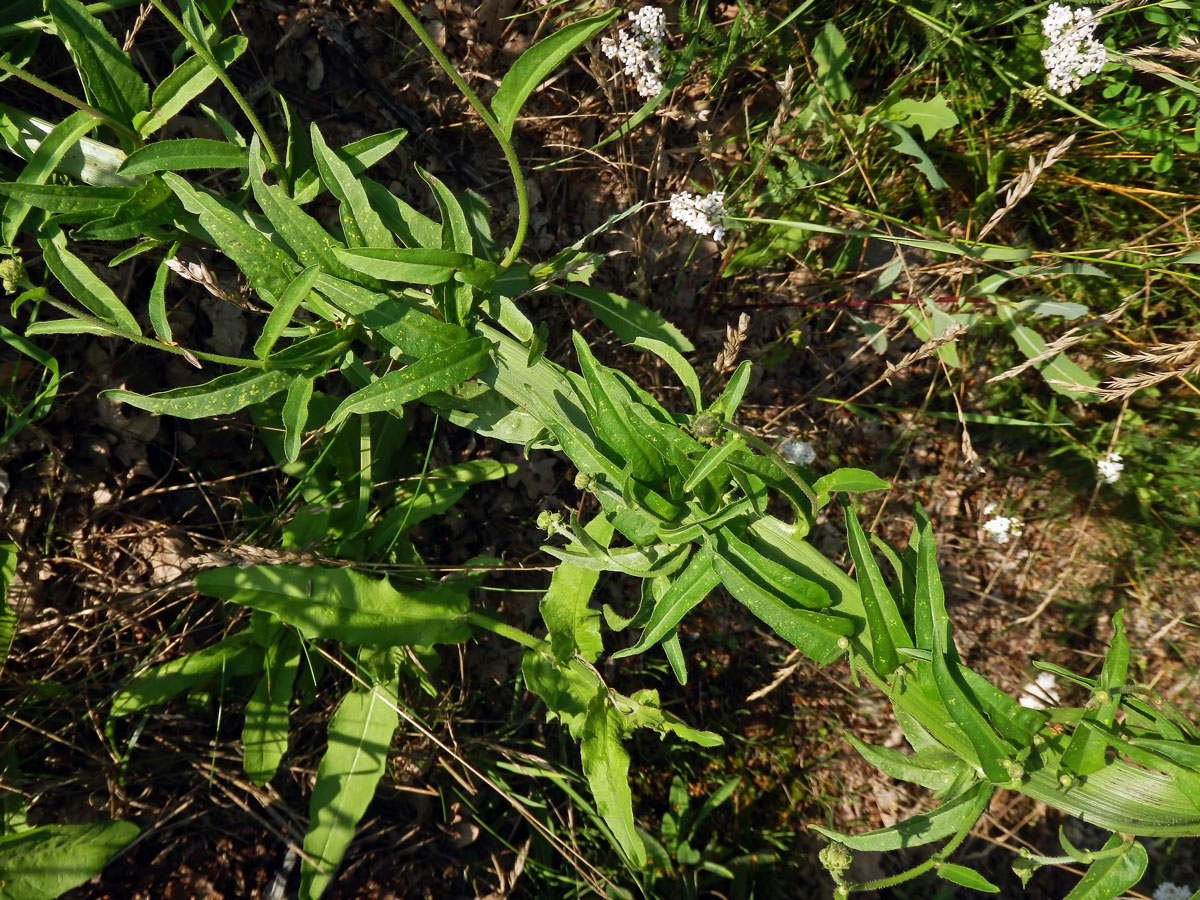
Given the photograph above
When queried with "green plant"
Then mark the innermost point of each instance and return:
(386, 307)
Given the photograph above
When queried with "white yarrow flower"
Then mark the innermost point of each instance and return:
(798, 453)
(701, 214)
(1109, 468)
(1169, 890)
(639, 49)
(1039, 694)
(1073, 52)
(1004, 528)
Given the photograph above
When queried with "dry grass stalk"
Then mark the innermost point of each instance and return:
(1020, 188)
(1064, 342)
(727, 358)
(1179, 361)
(928, 348)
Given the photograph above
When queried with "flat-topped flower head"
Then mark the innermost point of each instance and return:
(1002, 529)
(701, 214)
(639, 49)
(1073, 52)
(1109, 468)
(1169, 890)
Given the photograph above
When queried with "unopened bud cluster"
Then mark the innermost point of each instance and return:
(639, 49)
(701, 214)
(1073, 52)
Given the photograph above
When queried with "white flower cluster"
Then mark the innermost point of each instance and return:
(1169, 890)
(1109, 468)
(1042, 692)
(1002, 528)
(1073, 52)
(701, 214)
(798, 453)
(639, 49)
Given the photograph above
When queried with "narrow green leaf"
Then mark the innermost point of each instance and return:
(606, 766)
(686, 590)
(45, 862)
(933, 768)
(413, 229)
(611, 422)
(268, 267)
(573, 626)
(185, 83)
(628, 319)
(1085, 753)
(415, 332)
(775, 576)
(993, 752)
(680, 366)
(223, 395)
(109, 78)
(85, 286)
(295, 415)
(265, 731)
(1109, 877)
(418, 266)
(344, 604)
(536, 64)
(854, 481)
(158, 298)
(235, 655)
(1059, 371)
(66, 198)
(932, 624)
(821, 638)
(360, 737)
(8, 616)
(968, 878)
(53, 147)
(186, 153)
(950, 818)
(281, 316)
(713, 457)
(344, 185)
(435, 372)
(674, 653)
(731, 397)
(886, 627)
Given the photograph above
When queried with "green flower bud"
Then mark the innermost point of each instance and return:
(583, 481)
(836, 858)
(706, 425)
(12, 274)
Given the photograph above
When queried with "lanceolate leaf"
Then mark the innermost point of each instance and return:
(224, 394)
(50, 151)
(606, 765)
(949, 818)
(435, 372)
(85, 286)
(265, 732)
(360, 735)
(285, 308)
(883, 616)
(46, 862)
(237, 654)
(344, 604)
(573, 626)
(419, 266)
(185, 83)
(687, 589)
(536, 64)
(1112, 876)
(367, 227)
(109, 78)
(186, 153)
(628, 319)
(968, 878)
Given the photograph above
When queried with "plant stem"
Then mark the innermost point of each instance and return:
(485, 620)
(201, 49)
(95, 9)
(510, 155)
(6, 66)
